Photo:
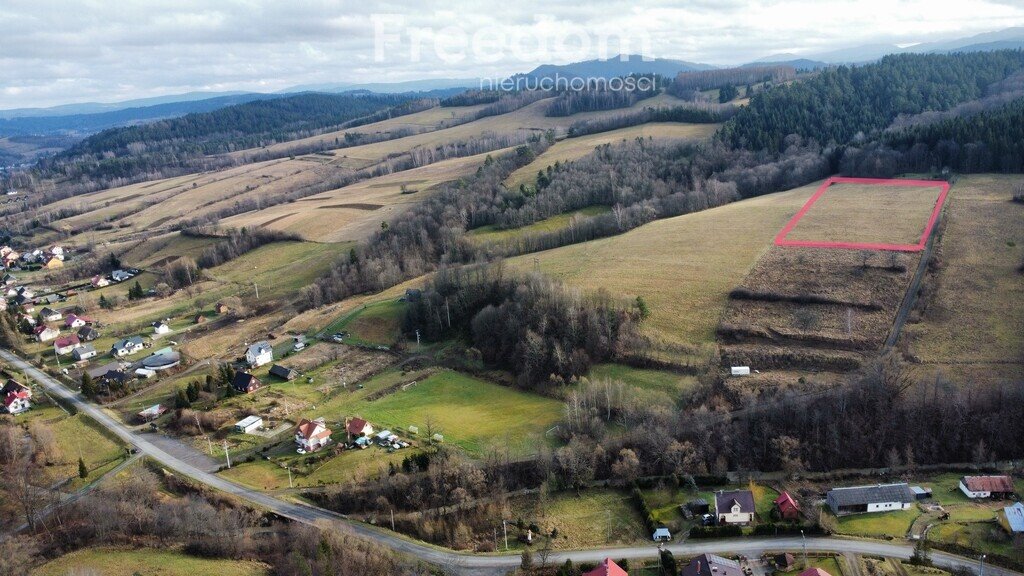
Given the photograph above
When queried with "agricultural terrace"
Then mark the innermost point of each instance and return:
(862, 213)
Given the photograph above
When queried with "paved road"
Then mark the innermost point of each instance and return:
(467, 563)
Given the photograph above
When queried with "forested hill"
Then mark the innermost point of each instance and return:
(149, 148)
(836, 104)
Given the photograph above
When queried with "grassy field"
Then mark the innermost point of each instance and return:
(574, 148)
(592, 518)
(644, 379)
(971, 329)
(878, 524)
(684, 267)
(868, 213)
(281, 268)
(145, 562)
(471, 413)
(829, 564)
(492, 233)
(375, 324)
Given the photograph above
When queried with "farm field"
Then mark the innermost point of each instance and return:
(152, 562)
(684, 267)
(575, 148)
(657, 381)
(492, 234)
(971, 328)
(868, 213)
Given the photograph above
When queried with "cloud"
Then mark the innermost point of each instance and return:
(56, 51)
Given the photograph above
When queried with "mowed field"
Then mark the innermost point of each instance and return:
(972, 325)
(684, 267)
(868, 213)
(575, 148)
(151, 562)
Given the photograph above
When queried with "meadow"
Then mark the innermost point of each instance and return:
(148, 561)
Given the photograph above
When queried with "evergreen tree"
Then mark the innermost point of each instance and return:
(181, 400)
(88, 386)
(83, 470)
(104, 303)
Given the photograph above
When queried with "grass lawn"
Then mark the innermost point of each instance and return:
(349, 465)
(378, 324)
(984, 537)
(145, 562)
(593, 518)
(493, 234)
(78, 435)
(644, 379)
(471, 413)
(878, 524)
(764, 499)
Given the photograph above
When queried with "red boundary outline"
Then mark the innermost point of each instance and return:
(780, 239)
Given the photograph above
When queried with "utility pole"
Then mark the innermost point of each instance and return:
(227, 455)
(981, 569)
(804, 539)
(504, 528)
(290, 477)
(392, 519)
(257, 287)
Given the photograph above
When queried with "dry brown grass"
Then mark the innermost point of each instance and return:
(868, 213)
(972, 327)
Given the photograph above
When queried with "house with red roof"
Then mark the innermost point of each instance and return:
(607, 567)
(16, 397)
(787, 507)
(999, 487)
(66, 344)
(357, 427)
(312, 435)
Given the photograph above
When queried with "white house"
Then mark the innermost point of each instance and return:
(120, 275)
(48, 314)
(66, 344)
(312, 435)
(259, 354)
(15, 404)
(45, 333)
(99, 281)
(249, 424)
(84, 352)
(127, 346)
(734, 506)
(73, 321)
(987, 486)
(161, 328)
(875, 498)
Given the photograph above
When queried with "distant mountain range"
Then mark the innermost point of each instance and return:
(90, 117)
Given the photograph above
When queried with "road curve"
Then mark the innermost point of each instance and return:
(464, 563)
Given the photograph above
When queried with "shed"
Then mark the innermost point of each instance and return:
(152, 412)
(921, 493)
(1014, 518)
(784, 561)
(145, 372)
(249, 424)
(437, 438)
(283, 372)
(698, 506)
(740, 370)
(662, 535)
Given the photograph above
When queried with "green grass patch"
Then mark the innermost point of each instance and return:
(148, 562)
(281, 268)
(829, 564)
(592, 518)
(878, 524)
(644, 379)
(984, 537)
(493, 234)
(378, 324)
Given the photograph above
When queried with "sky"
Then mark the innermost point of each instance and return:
(56, 52)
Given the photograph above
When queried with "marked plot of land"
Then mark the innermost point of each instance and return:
(867, 214)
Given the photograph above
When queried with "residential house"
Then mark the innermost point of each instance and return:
(357, 427)
(74, 321)
(127, 346)
(99, 281)
(283, 372)
(25, 300)
(245, 382)
(249, 424)
(312, 435)
(120, 275)
(997, 487)
(9, 280)
(712, 565)
(734, 507)
(56, 252)
(49, 299)
(16, 397)
(607, 567)
(28, 319)
(45, 333)
(48, 314)
(10, 259)
(53, 263)
(116, 378)
(876, 498)
(161, 327)
(259, 354)
(785, 562)
(97, 372)
(84, 352)
(1012, 520)
(66, 344)
(88, 334)
(13, 386)
(787, 508)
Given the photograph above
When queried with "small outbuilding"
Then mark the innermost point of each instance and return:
(661, 535)
(249, 424)
(283, 372)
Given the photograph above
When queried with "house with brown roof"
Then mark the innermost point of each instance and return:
(357, 427)
(998, 487)
(45, 333)
(787, 508)
(66, 344)
(312, 435)
(245, 382)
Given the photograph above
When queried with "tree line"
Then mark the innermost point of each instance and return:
(693, 113)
